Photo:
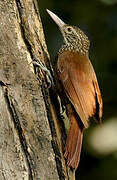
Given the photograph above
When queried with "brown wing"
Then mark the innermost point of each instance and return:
(78, 78)
(99, 103)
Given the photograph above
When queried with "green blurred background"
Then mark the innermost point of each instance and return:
(98, 19)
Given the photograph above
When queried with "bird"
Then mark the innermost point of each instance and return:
(80, 85)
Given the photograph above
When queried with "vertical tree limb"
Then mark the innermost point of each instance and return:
(30, 145)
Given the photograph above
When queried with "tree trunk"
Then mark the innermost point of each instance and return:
(31, 145)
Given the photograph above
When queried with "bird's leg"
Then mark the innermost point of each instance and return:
(47, 72)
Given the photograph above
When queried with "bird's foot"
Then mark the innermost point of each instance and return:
(47, 72)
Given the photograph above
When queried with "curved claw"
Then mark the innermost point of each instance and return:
(48, 74)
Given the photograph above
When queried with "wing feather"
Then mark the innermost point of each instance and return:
(81, 86)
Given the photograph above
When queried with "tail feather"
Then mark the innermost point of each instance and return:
(74, 142)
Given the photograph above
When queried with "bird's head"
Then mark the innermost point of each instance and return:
(72, 35)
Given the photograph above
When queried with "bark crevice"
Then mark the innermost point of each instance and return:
(20, 132)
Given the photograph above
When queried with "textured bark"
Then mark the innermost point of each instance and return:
(31, 134)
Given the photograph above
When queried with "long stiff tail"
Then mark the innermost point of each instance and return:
(74, 142)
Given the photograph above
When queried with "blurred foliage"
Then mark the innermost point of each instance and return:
(109, 1)
(98, 19)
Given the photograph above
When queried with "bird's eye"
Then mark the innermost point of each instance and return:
(69, 29)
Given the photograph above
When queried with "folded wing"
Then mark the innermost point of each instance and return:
(81, 86)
